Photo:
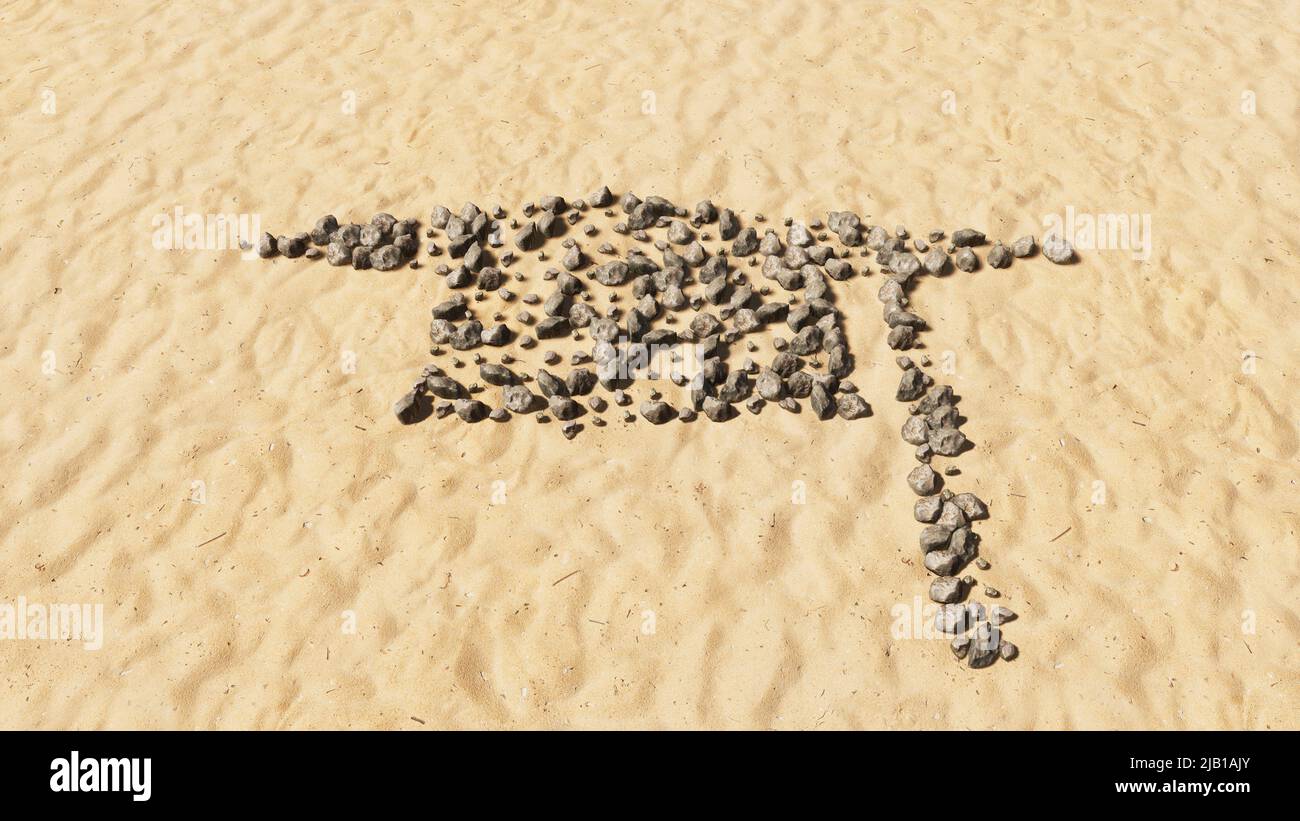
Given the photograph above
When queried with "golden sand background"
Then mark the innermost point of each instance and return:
(180, 367)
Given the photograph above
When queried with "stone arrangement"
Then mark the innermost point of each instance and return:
(948, 542)
(705, 277)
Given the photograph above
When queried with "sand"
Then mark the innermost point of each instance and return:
(205, 445)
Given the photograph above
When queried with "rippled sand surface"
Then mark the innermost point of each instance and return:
(184, 439)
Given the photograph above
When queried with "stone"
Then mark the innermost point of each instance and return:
(901, 338)
(413, 407)
(746, 243)
(947, 590)
(716, 410)
(923, 480)
(1008, 651)
(519, 399)
(851, 406)
(580, 381)
(612, 273)
(965, 237)
(563, 408)
(468, 336)
(444, 387)
(658, 412)
(944, 562)
(911, 385)
(338, 254)
(729, 226)
(953, 618)
(679, 233)
(573, 259)
(966, 260)
(1024, 247)
(951, 517)
(935, 261)
(999, 256)
(934, 537)
(1000, 615)
(823, 404)
(496, 336)
(1058, 250)
(927, 509)
(735, 388)
(915, 431)
(798, 235)
(494, 374)
(529, 238)
(551, 385)
(807, 342)
(971, 505)
(877, 237)
(553, 327)
(947, 441)
(960, 646)
(984, 646)
(770, 385)
(470, 410)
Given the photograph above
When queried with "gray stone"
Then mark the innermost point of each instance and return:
(851, 406)
(936, 260)
(901, 338)
(444, 387)
(960, 646)
(947, 590)
(553, 327)
(966, 260)
(915, 431)
(947, 441)
(984, 646)
(551, 385)
(927, 509)
(964, 237)
(494, 374)
(823, 404)
(944, 562)
(519, 399)
(716, 410)
(470, 410)
(770, 386)
(999, 256)
(934, 537)
(798, 235)
(951, 517)
(563, 408)
(971, 505)
(911, 385)
(679, 233)
(413, 407)
(1024, 247)
(999, 615)
(953, 618)
(529, 238)
(1058, 250)
(746, 243)
(923, 480)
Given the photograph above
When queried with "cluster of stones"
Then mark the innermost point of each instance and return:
(385, 243)
(724, 307)
(948, 542)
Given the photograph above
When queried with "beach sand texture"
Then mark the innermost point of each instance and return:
(645, 576)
